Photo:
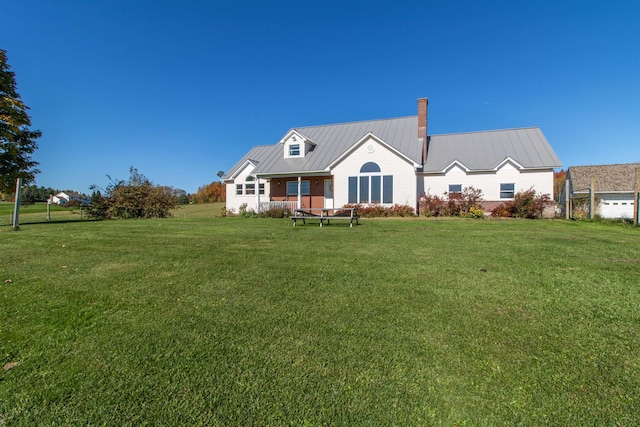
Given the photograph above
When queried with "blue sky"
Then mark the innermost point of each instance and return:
(183, 89)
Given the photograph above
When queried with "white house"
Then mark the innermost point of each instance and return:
(64, 197)
(613, 187)
(387, 162)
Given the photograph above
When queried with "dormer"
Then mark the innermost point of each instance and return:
(296, 145)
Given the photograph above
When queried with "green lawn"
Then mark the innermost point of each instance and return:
(201, 320)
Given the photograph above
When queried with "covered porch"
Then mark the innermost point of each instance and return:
(298, 192)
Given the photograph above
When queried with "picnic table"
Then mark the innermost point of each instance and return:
(325, 215)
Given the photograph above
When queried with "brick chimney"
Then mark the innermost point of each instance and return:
(423, 116)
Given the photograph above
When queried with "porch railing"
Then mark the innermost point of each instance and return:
(290, 205)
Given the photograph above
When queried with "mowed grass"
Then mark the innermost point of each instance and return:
(199, 320)
(37, 213)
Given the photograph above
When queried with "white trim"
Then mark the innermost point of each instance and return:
(294, 132)
(454, 164)
(240, 169)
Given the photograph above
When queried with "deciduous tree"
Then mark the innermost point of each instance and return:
(17, 140)
(558, 183)
(213, 192)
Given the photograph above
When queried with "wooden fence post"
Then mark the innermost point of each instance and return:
(16, 209)
(567, 196)
(635, 197)
(591, 198)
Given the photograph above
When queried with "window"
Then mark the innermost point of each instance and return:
(294, 150)
(387, 189)
(260, 188)
(370, 167)
(238, 189)
(353, 189)
(507, 191)
(455, 189)
(292, 188)
(371, 186)
(250, 189)
(375, 189)
(305, 188)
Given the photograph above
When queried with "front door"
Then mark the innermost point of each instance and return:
(328, 193)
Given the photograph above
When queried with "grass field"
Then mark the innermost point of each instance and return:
(201, 320)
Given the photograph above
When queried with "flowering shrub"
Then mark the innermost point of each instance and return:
(473, 212)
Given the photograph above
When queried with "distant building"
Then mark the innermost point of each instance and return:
(64, 197)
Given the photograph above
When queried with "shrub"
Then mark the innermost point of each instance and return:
(73, 204)
(135, 198)
(244, 212)
(379, 211)
(580, 206)
(454, 204)
(473, 212)
(525, 204)
(431, 205)
(275, 213)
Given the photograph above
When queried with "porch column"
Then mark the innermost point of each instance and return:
(299, 191)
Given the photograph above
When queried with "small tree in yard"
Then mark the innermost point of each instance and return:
(135, 198)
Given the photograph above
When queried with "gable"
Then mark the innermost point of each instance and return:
(366, 148)
(296, 145)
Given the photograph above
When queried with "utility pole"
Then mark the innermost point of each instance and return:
(16, 208)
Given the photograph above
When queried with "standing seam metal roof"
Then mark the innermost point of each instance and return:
(486, 150)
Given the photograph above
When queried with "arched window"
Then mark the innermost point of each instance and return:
(371, 186)
(370, 167)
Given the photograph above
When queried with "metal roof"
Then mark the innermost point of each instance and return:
(331, 141)
(486, 150)
(607, 178)
(475, 150)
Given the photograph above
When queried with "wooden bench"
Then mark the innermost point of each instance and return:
(325, 215)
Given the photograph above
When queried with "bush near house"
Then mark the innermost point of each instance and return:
(525, 204)
(379, 211)
(466, 204)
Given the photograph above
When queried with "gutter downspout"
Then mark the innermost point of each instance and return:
(299, 191)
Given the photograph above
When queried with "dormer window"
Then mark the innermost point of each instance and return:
(294, 150)
(296, 146)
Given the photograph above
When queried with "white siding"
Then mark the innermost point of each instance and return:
(489, 183)
(404, 176)
(615, 205)
(234, 201)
